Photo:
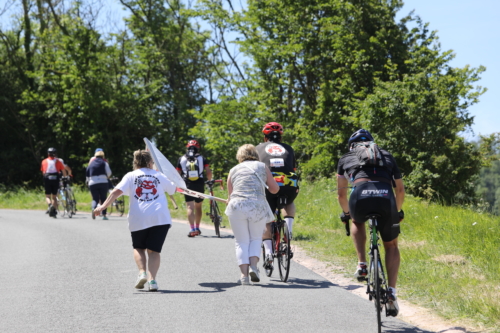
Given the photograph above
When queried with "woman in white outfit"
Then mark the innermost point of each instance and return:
(248, 210)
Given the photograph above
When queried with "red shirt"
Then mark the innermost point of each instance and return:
(51, 165)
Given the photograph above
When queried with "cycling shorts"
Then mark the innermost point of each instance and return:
(51, 186)
(376, 198)
(198, 186)
(289, 192)
(150, 238)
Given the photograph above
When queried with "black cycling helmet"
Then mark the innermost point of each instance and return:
(51, 151)
(360, 135)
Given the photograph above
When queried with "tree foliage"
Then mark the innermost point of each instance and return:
(219, 71)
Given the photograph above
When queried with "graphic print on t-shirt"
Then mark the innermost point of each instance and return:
(146, 188)
(274, 149)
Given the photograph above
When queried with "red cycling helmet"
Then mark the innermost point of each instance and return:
(193, 143)
(272, 127)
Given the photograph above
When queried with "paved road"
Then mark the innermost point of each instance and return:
(77, 275)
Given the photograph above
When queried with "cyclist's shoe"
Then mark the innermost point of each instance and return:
(48, 210)
(361, 273)
(197, 231)
(105, 217)
(244, 281)
(268, 263)
(392, 304)
(254, 274)
(52, 211)
(141, 280)
(192, 233)
(93, 215)
(153, 286)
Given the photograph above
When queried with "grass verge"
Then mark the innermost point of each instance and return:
(450, 256)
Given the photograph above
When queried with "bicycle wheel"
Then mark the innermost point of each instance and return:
(68, 204)
(120, 205)
(284, 252)
(61, 203)
(216, 217)
(71, 195)
(376, 287)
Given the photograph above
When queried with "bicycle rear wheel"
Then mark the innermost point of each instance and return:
(71, 195)
(69, 204)
(120, 205)
(284, 253)
(376, 287)
(61, 203)
(217, 218)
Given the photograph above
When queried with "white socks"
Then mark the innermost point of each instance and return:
(268, 246)
(289, 223)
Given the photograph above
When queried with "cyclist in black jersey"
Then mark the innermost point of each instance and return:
(372, 193)
(280, 159)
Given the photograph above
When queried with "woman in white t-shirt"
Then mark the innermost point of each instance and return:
(248, 210)
(148, 218)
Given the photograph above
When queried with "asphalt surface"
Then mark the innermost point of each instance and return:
(78, 275)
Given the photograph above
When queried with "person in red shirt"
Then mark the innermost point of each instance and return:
(51, 168)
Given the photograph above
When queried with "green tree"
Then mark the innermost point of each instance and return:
(324, 68)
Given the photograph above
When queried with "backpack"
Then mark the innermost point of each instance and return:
(369, 154)
(193, 169)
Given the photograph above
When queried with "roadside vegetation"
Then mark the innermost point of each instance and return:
(450, 256)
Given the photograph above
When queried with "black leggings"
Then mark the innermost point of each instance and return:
(376, 198)
(99, 194)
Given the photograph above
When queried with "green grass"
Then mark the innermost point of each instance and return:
(450, 256)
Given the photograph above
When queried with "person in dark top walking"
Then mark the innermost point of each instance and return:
(280, 159)
(372, 193)
(191, 167)
(98, 173)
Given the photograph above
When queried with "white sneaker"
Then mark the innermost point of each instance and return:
(244, 281)
(141, 280)
(254, 274)
(153, 286)
(392, 304)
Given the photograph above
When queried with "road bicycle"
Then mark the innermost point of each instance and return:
(66, 198)
(376, 283)
(119, 203)
(214, 213)
(280, 244)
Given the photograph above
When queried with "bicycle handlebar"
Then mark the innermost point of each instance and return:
(211, 183)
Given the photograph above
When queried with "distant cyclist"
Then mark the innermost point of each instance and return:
(51, 168)
(372, 193)
(191, 167)
(280, 159)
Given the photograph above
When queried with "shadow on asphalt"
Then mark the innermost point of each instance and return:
(299, 284)
(388, 326)
(214, 236)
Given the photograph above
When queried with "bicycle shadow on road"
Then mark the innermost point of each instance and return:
(392, 326)
(299, 284)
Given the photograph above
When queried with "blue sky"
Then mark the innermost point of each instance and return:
(471, 29)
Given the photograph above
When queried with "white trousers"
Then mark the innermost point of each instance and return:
(247, 235)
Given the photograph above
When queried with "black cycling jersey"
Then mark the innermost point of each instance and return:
(280, 159)
(349, 168)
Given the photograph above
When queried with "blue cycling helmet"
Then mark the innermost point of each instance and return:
(98, 149)
(360, 135)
